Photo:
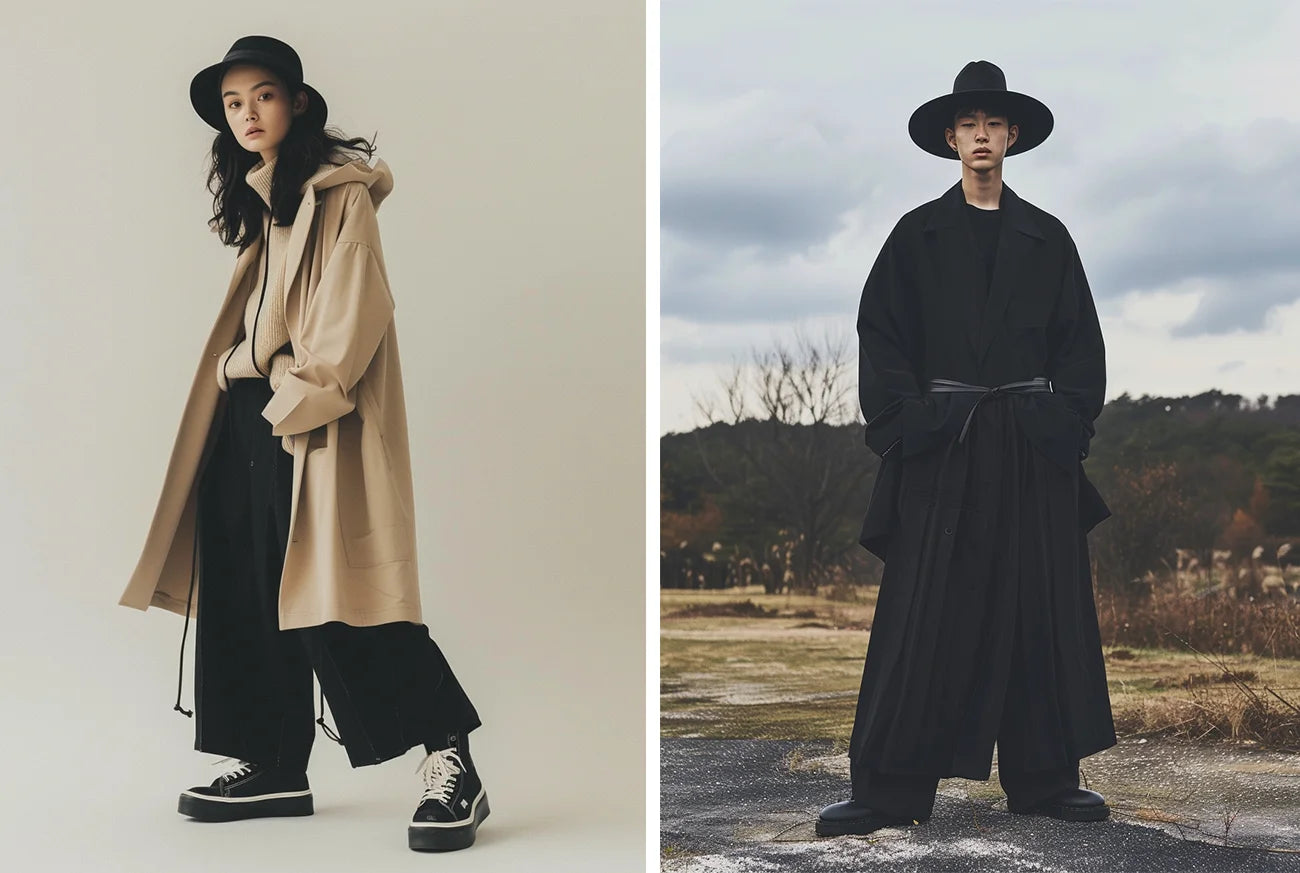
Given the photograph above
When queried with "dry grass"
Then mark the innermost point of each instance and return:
(853, 614)
(742, 609)
(1205, 716)
(1215, 623)
(1192, 680)
(736, 609)
(779, 677)
(1233, 704)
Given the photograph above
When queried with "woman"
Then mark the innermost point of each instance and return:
(288, 501)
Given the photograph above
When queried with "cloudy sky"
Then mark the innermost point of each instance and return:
(1174, 162)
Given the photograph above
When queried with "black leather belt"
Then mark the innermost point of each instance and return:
(949, 386)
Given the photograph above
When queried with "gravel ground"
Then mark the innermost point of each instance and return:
(748, 806)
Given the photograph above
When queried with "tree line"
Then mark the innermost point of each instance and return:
(771, 489)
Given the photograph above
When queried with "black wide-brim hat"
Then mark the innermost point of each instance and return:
(979, 82)
(266, 51)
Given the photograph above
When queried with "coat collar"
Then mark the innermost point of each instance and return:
(959, 259)
(379, 179)
(948, 211)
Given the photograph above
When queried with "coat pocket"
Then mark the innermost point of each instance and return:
(373, 519)
(1052, 428)
(315, 515)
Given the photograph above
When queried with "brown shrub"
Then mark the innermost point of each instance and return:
(1191, 680)
(1207, 714)
(1170, 619)
(739, 609)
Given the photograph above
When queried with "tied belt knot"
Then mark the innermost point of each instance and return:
(949, 386)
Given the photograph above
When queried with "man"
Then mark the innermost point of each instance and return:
(981, 371)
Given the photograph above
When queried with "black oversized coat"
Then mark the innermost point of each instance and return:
(923, 316)
(919, 319)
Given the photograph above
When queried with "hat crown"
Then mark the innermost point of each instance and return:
(980, 76)
(980, 83)
(264, 51)
(269, 50)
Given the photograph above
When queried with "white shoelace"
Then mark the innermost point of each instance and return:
(439, 770)
(240, 768)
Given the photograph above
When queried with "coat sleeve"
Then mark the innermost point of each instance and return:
(1077, 357)
(896, 411)
(344, 322)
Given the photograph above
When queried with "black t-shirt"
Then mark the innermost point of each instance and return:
(985, 224)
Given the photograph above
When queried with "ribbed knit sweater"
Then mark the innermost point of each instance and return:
(268, 354)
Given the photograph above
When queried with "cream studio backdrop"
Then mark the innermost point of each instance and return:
(514, 243)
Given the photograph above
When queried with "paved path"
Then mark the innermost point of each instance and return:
(748, 806)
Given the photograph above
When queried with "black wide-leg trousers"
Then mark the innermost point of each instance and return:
(388, 686)
(978, 656)
(913, 796)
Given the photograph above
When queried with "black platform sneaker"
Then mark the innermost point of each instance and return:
(248, 791)
(453, 803)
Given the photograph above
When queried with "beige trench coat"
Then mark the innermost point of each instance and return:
(351, 551)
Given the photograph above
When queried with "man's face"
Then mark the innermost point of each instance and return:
(981, 139)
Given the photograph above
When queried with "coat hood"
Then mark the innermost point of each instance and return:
(379, 178)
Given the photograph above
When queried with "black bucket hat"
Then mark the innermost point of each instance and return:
(979, 81)
(266, 51)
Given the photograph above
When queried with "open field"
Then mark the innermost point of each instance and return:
(744, 664)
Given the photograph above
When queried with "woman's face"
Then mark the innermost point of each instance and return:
(258, 109)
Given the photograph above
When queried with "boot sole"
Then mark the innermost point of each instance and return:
(447, 837)
(232, 809)
(855, 826)
(1068, 813)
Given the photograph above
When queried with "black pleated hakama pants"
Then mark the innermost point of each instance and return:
(985, 629)
(389, 686)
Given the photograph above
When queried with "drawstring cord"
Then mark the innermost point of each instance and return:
(321, 721)
(194, 566)
(180, 674)
(266, 270)
(188, 713)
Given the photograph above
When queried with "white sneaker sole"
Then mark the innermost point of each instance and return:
(447, 836)
(208, 808)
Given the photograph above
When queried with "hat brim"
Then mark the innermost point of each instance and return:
(928, 123)
(206, 84)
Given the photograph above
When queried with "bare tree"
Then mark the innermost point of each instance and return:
(799, 462)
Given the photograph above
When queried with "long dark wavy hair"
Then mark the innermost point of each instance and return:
(237, 208)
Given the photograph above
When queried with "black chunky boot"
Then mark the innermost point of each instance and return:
(248, 790)
(1072, 804)
(851, 817)
(454, 801)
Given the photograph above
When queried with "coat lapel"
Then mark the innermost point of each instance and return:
(957, 261)
(1016, 240)
(302, 225)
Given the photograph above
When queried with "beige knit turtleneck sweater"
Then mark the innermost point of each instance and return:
(264, 313)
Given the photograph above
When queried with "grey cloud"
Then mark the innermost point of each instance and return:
(785, 157)
(732, 289)
(1240, 304)
(1207, 206)
(776, 216)
(765, 171)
